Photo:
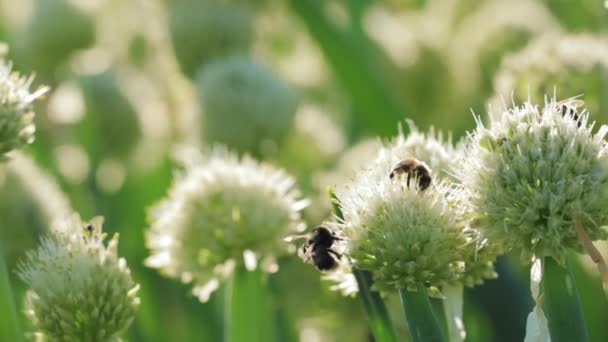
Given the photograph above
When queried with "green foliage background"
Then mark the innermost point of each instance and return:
(364, 91)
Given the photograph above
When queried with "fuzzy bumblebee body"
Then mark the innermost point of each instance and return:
(415, 169)
(317, 250)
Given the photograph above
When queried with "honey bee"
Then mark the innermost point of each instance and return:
(317, 250)
(414, 169)
(569, 107)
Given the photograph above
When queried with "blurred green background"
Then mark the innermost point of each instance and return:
(296, 82)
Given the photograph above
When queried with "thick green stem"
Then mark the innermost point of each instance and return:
(562, 305)
(421, 320)
(379, 320)
(248, 316)
(9, 326)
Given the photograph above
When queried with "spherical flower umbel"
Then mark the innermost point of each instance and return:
(246, 107)
(80, 289)
(532, 174)
(222, 211)
(16, 109)
(406, 236)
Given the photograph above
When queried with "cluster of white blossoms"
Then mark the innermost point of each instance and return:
(16, 109)
(80, 289)
(408, 236)
(384, 214)
(535, 172)
(223, 211)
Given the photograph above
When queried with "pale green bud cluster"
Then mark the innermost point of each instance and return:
(406, 237)
(246, 107)
(532, 173)
(554, 64)
(205, 30)
(16, 109)
(221, 211)
(81, 290)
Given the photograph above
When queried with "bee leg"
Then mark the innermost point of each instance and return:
(334, 253)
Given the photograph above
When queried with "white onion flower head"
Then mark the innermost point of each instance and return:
(406, 237)
(554, 63)
(246, 106)
(534, 171)
(81, 290)
(478, 254)
(221, 211)
(16, 109)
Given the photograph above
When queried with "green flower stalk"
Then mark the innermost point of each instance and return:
(205, 30)
(16, 109)
(552, 64)
(223, 212)
(81, 290)
(245, 106)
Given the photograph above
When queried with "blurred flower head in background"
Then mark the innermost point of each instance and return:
(555, 64)
(81, 290)
(245, 106)
(223, 210)
(56, 30)
(205, 30)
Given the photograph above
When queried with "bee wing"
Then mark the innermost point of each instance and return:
(292, 238)
(573, 101)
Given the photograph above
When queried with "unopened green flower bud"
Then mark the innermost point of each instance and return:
(16, 109)
(204, 30)
(221, 211)
(534, 172)
(245, 106)
(80, 289)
